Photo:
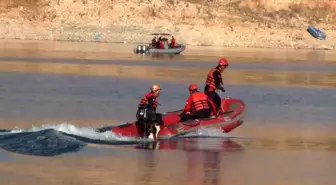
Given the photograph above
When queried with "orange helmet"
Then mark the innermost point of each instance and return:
(155, 87)
(193, 87)
(223, 62)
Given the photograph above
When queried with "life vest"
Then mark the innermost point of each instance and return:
(144, 101)
(161, 45)
(210, 81)
(172, 43)
(199, 102)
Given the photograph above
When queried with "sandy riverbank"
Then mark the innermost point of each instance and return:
(228, 23)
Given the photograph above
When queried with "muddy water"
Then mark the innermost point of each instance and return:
(287, 138)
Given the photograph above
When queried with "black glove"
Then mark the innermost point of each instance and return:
(222, 89)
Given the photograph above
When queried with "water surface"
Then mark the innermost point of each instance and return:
(67, 89)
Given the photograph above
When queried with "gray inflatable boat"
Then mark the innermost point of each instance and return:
(146, 49)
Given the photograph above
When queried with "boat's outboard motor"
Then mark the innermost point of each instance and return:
(144, 48)
(141, 49)
(138, 49)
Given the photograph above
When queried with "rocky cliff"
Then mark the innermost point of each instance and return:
(232, 23)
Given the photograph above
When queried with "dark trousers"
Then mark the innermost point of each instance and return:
(198, 114)
(145, 127)
(158, 119)
(214, 97)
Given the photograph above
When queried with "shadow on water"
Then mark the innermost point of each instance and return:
(47, 142)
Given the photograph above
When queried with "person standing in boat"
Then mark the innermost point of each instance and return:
(154, 42)
(172, 42)
(146, 112)
(214, 82)
(158, 42)
(198, 105)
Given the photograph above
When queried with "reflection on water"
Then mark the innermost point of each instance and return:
(142, 167)
(194, 144)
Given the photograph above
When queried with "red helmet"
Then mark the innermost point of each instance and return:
(223, 62)
(193, 87)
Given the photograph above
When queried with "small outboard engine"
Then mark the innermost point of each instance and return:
(138, 49)
(144, 48)
(141, 49)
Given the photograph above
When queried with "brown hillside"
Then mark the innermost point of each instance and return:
(204, 22)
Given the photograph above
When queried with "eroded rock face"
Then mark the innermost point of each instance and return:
(191, 12)
(250, 23)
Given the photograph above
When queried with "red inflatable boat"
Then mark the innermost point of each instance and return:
(230, 117)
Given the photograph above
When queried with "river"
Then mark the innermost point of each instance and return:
(61, 91)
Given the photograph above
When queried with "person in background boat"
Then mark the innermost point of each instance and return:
(198, 105)
(154, 42)
(214, 81)
(172, 42)
(147, 107)
(158, 42)
(161, 46)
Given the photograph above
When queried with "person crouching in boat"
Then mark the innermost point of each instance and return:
(158, 42)
(198, 105)
(214, 81)
(146, 114)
